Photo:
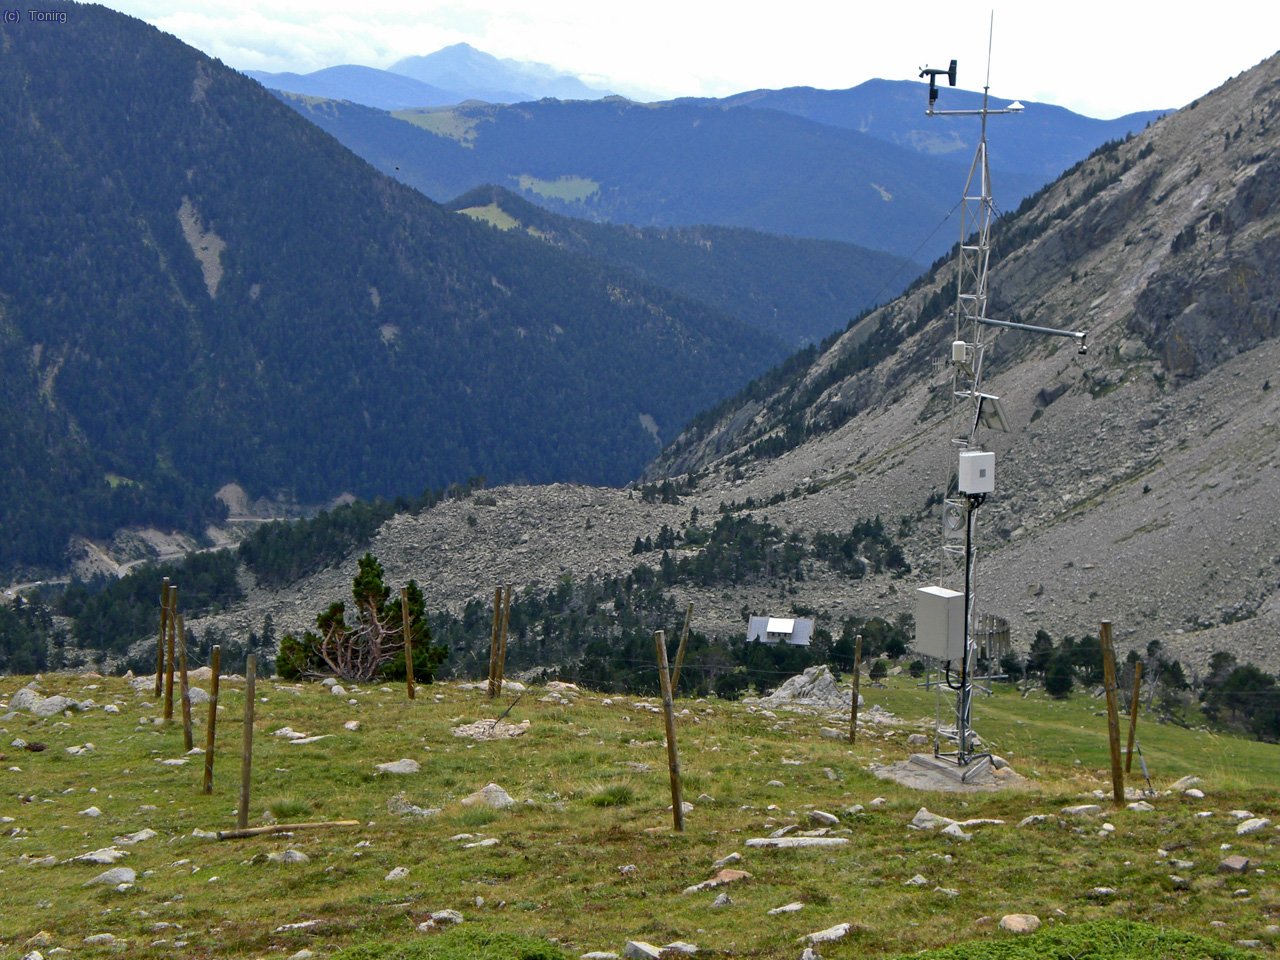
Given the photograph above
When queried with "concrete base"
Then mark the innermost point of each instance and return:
(977, 769)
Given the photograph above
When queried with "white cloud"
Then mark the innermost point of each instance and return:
(1098, 58)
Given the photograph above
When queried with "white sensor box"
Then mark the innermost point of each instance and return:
(977, 471)
(939, 623)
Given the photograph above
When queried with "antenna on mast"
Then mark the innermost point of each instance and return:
(945, 618)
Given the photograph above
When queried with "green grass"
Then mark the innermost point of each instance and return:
(443, 122)
(1098, 940)
(590, 803)
(459, 944)
(611, 795)
(493, 215)
(568, 188)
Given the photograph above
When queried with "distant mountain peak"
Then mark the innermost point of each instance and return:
(483, 76)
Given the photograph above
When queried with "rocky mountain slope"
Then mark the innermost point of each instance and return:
(1139, 481)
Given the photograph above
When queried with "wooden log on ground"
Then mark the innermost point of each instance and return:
(283, 828)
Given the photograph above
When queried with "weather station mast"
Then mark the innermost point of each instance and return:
(945, 617)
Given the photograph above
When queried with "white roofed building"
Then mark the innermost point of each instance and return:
(797, 631)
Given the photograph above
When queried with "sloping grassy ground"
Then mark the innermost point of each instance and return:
(588, 857)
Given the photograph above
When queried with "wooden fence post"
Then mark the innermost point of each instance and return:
(857, 677)
(684, 639)
(1113, 716)
(164, 634)
(246, 747)
(1133, 715)
(184, 686)
(669, 716)
(408, 643)
(493, 643)
(215, 664)
(169, 653)
(502, 638)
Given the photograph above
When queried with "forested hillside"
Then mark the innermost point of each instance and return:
(788, 287)
(669, 164)
(200, 287)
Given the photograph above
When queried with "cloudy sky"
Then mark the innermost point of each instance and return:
(1102, 59)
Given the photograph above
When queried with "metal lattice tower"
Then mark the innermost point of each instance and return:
(968, 353)
(971, 407)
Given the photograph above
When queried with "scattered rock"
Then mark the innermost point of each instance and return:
(727, 875)
(829, 935)
(401, 806)
(113, 877)
(131, 838)
(639, 950)
(723, 900)
(820, 816)
(491, 795)
(1079, 810)
(438, 919)
(1141, 806)
(1252, 825)
(288, 856)
(953, 830)
(1020, 922)
(734, 857)
(924, 820)
(492, 730)
(681, 947)
(399, 767)
(790, 843)
(397, 873)
(103, 856)
(1185, 783)
(786, 908)
(1234, 864)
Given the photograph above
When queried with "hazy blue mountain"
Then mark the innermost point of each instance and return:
(671, 164)
(481, 76)
(1042, 141)
(796, 289)
(198, 286)
(367, 85)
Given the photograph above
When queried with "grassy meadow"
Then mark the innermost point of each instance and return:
(588, 857)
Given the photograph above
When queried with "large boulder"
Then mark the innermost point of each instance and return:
(815, 688)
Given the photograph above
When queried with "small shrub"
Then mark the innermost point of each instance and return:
(613, 795)
(474, 817)
(289, 809)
